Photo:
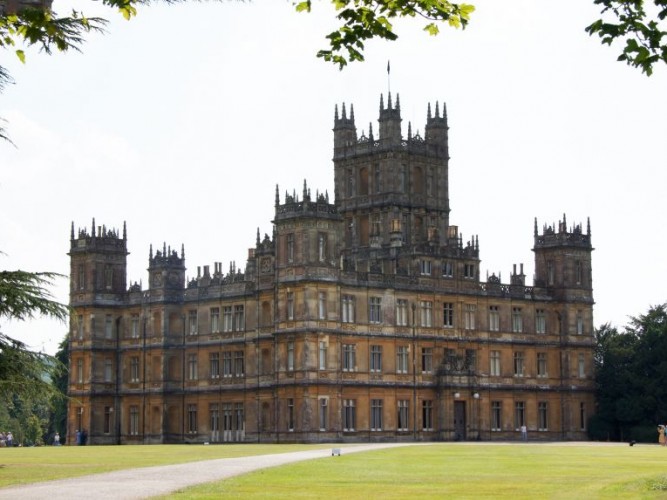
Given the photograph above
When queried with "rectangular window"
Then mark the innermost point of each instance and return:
(134, 369)
(290, 356)
(349, 357)
(227, 364)
(447, 269)
(494, 358)
(427, 415)
(290, 247)
(451, 359)
(81, 277)
(401, 312)
(239, 318)
(542, 416)
(376, 358)
(349, 415)
(322, 247)
(496, 415)
(519, 414)
(469, 316)
(376, 414)
(134, 420)
(578, 272)
(322, 305)
(107, 420)
(134, 326)
(227, 322)
(108, 370)
(290, 414)
(375, 310)
(324, 413)
(192, 367)
(471, 360)
(426, 313)
(402, 359)
(215, 319)
(519, 366)
(581, 365)
(517, 320)
(541, 364)
(79, 371)
(448, 315)
(214, 364)
(582, 416)
(550, 273)
(192, 419)
(108, 327)
(425, 267)
(347, 315)
(540, 321)
(79, 327)
(290, 306)
(469, 271)
(239, 364)
(214, 413)
(580, 323)
(192, 323)
(323, 355)
(427, 360)
(403, 415)
(494, 319)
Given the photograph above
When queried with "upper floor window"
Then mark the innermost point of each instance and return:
(519, 364)
(541, 364)
(290, 355)
(108, 327)
(469, 271)
(134, 369)
(192, 367)
(494, 319)
(376, 178)
(290, 247)
(540, 321)
(81, 277)
(134, 326)
(426, 313)
(239, 318)
(322, 305)
(376, 358)
(517, 320)
(469, 316)
(401, 312)
(79, 327)
(192, 323)
(349, 357)
(578, 272)
(580, 323)
(108, 276)
(227, 319)
(448, 315)
(323, 355)
(290, 306)
(402, 359)
(425, 267)
(375, 310)
(215, 319)
(581, 365)
(347, 309)
(447, 269)
(551, 273)
(494, 359)
(427, 359)
(322, 247)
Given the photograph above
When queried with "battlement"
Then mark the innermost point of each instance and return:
(100, 238)
(559, 235)
(307, 206)
(167, 258)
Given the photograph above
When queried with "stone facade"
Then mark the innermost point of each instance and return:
(364, 319)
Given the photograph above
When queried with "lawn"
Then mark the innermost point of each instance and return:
(461, 471)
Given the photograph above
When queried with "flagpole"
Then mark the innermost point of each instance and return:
(388, 77)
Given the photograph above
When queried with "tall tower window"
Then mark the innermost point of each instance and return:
(290, 306)
(350, 182)
(580, 323)
(417, 180)
(134, 326)
(469, 271)
(447, 269)
(403, 179)
(108, 370)
(363, 180)
(376, 178)
(324, 412)
(581, 365)
(322, 247)
(79, 371)
(551, 278)
(578, 273)
(376, 225)
(108, 276)
(290, 414)
(79, 327)
(290, 356)
(322, 305)
(81, 277)
(290, 247)
(323, 355)
(192, 322)
(108, 327)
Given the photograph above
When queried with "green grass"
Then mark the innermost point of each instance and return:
(29, 465)
(460, 471)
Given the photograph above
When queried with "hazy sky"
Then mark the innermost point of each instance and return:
(182, 121)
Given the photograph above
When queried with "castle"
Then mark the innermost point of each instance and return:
(361, 319)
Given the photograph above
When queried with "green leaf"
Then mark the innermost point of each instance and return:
(21, 55)
(303, 6)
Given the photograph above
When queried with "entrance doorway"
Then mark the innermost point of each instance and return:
(459, 420)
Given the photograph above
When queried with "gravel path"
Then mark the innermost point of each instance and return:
(151, 481)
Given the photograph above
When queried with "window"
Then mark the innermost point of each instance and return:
(108, 327)
(542, 416)
(375, 310)
(290, 247)
(540, 321)
(401, 312)
(192, 419)
(214, 414)
(426, 313)
(376, 225)
(427, 360)
(227, 322)
(425, 267)
(134, 420)
(134, 326)
(322, 247)
(215, 319)
(322, 305)
(494, 359)
(402, 359)
(290, 356)
(447, 269)
(376, 358)
(108, 276)
(192, 323)
(350, 183)
(376, 178)
(403, 415)
(348, 309)
(79, 327)
(349, 357)
(214, 364)
(578, 274)
(550, 272)
(403, 179)
(494, 319)
(471, 360)
(582, 416)
(427, 415)
(519, 366)
(290, 306)
(108, 370)
(581, 365)
(290, 414)
(580, 323)
(227, 364)
(192, 367)
(469, 316)
(134, 369)
(324, 412)
(81, 277)
(541, 364)
(376, 414)
(451, 359)
(469, 271)
(239, 364)
(323, 355)
(517, 320)
(239, 318)
(107, 420)
(448, 315)
(496, 415)
(519, 414)
(79, 371)
(349, 414)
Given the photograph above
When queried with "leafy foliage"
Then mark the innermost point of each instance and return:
(644, 34)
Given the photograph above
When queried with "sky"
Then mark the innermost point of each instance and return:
(182, 121)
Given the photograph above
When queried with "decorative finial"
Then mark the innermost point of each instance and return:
(164, 248)
(257, 241)
(588, 225)
(398, 101)
(336, 113)
(409, 131)
(370, 131)
(344, 113)
(93, 234)
(564, 223)
(352, 112)
(389, 100)
(305, 190)
(182, 251)
(381, 102)
(428, 115)
(277, 196)
(535, 231)
(437, 109)
(150, 253)
(124, 230)
(72, 233)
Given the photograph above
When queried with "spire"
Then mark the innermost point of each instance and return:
(370, 131)
(352, 112)
(277, 196)
(437, 109)
(150, 253)
(444, 110)
(344, 113)
(535, 230)
(164, 248)
(588, 225)
(182, 251)
(564, 223)
(93, 233)
(72, 232)
(305, 190)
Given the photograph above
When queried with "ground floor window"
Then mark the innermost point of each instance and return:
(519, 414)
(324, 413)
(134, 420)
(403, 415)
(542, 416)
(427, 415)
(496, 415)
(192, 419)
(376, 414)
(349, 414)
